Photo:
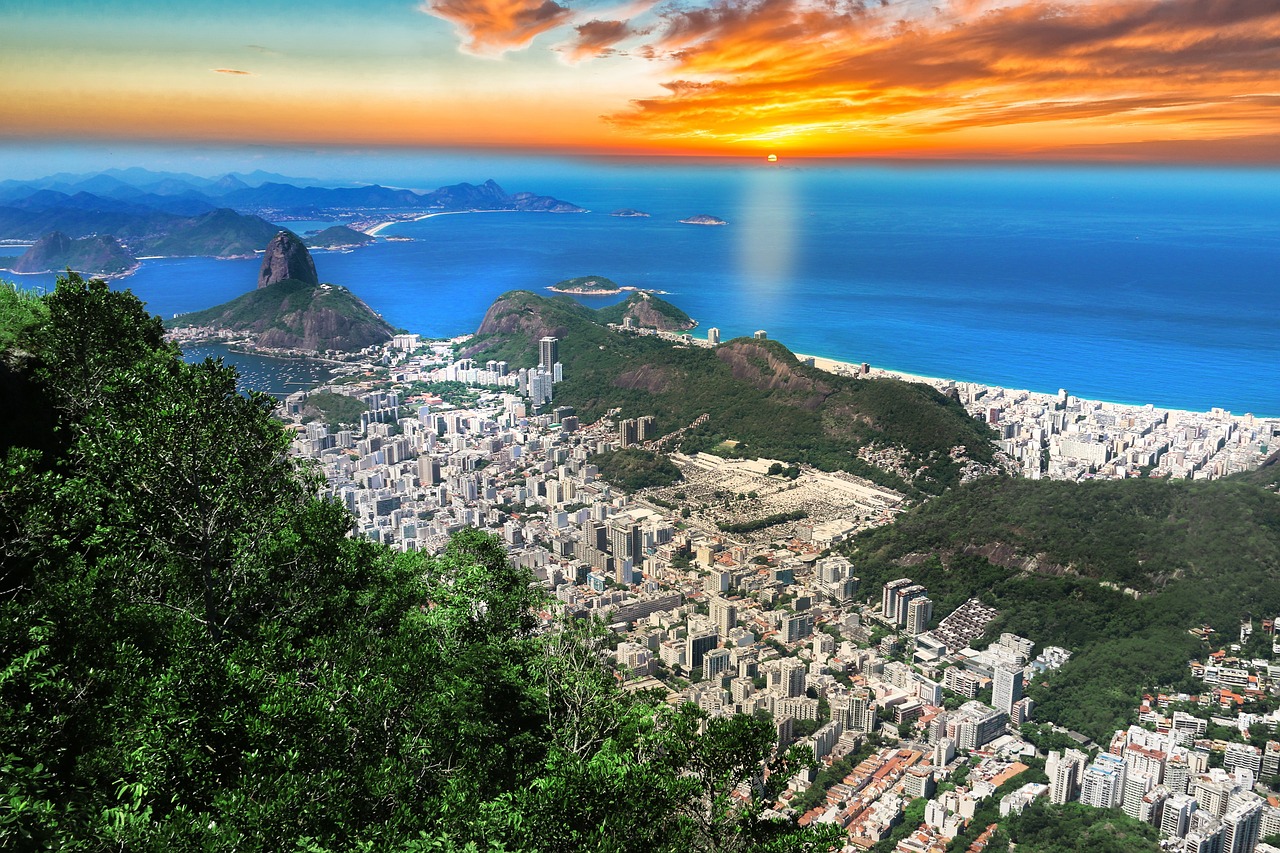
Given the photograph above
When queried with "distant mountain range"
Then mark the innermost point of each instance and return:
(166, 213)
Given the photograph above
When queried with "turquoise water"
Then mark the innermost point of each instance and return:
(1135, 285)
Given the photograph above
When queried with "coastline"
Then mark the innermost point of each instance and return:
(849, 368)
(377, 229)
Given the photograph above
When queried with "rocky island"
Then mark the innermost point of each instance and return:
(704, 219)
(627, 212)
(338, 237)
(588, 285)
(290, 309)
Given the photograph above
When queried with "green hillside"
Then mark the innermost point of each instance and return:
(292, 314)
(56, 251)
(648, 312)
(218, 233)
(588, 284)
(338, 235)
(757, 393)
(1040, 551)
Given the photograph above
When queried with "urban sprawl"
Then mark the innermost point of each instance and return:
(773, 621)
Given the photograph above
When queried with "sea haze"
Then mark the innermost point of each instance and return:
(1138, 285)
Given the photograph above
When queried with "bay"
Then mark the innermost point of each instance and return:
(1139, 285)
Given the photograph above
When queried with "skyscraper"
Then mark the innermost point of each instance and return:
(1006, 688)
(919, 614)
(889, 597)
(548, 352)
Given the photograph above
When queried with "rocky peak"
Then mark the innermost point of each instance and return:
(286, 257)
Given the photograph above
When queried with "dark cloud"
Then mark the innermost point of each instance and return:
(597, 38)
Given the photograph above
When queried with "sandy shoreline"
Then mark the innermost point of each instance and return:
(849, 368)
(377, 229)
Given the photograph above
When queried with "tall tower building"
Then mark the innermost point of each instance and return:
(1007, 688)
(793, 677)
(889, 597)
(713, 336)
(1241, 826)
(548, 352)
(725, 615)
(919, 614)
(628, 432)
(1064, 775)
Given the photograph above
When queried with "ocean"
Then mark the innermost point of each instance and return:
(1137, 285)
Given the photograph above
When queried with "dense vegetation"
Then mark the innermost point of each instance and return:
(1197, 553)
(588, 283)
(647, 311)
(761, 523)
(56, 251)
(335, 409)
(195, 655)
(338, 235)
(633, 469)
(757, 393)
(1045, 828)
(292, 313)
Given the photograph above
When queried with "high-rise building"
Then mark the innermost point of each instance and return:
(1136, 788)
(646, 428)
(1102, 786)
(1241, 826)
(1064, 775)
(713, 336)
(1176, 819)
(793, 676)
(548, 352)
(697, 645)
(1243, 755)
(889, 597)
(919, 614)
(725, 615)
(904, 597)
(628, 432)
(1006, 688)
(796, 627)
(715, 663)
(1177, 773)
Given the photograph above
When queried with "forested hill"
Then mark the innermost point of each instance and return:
(195, 655)
(757, 393)
(1192, 553)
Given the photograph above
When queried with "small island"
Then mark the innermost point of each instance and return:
(588, 285)
(338, 237)
(628, 212)
(703, 219)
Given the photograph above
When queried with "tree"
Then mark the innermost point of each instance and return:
(195, 653)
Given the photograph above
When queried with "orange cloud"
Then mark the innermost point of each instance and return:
(492, 27)
(836, 76)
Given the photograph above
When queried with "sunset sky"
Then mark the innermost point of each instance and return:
(1114, 79)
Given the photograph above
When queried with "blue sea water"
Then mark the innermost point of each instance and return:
(1141, 285)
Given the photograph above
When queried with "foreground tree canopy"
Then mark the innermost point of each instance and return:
(194, 653)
